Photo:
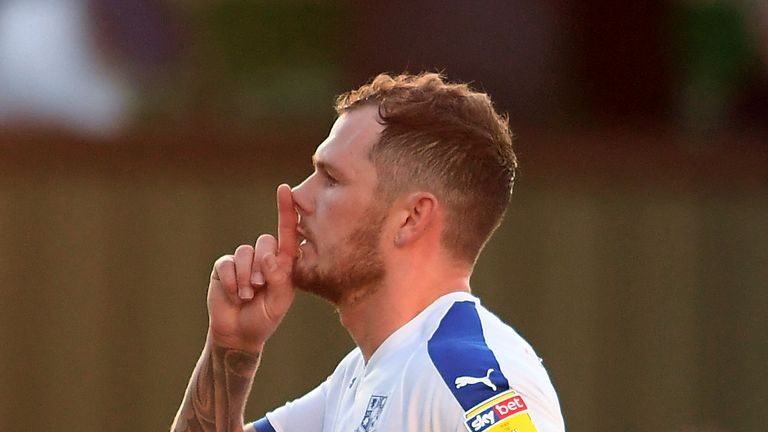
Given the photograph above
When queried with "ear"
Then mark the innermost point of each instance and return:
(420, 213)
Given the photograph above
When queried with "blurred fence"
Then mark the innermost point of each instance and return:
(645, 294)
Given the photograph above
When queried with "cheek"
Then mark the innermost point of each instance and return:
(337, 212)
(333, 208)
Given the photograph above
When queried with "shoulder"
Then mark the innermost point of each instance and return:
(460, 354)
(345, 370)
(349, 364)
(488, 367)
(352, 359)
(427, 403)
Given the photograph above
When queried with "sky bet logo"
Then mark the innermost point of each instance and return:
(491, 415)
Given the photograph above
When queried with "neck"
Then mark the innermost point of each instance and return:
(373, 317)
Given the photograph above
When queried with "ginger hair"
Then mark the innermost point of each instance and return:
(447, 139)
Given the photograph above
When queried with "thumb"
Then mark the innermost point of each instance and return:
(280, 290)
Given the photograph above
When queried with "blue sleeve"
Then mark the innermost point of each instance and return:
(301, 415)
(462, 357)
(263, 425)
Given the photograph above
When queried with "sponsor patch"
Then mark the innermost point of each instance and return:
(506, 412)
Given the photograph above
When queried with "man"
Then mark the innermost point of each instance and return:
(413, 178)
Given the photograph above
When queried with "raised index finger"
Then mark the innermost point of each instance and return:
(287, 240)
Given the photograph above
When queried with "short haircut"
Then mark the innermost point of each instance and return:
(447, 139)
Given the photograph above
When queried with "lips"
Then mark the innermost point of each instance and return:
(303, 238)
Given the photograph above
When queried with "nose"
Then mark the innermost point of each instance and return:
(301, 196)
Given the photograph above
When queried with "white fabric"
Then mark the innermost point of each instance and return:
(417, 397)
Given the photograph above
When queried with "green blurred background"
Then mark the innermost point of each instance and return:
(634, 256)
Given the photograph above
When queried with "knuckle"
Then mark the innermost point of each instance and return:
(244, 249)
(222, 259)
(220, 266)
(265, 244)
(224, 270)
(265, 240)
(278, 278)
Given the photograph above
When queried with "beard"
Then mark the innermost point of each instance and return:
(355, 267)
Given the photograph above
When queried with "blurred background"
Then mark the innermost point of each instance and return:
(142, 139)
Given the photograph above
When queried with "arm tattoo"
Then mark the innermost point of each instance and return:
(215, 398)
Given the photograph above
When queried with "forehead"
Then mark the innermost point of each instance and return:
(352, 135)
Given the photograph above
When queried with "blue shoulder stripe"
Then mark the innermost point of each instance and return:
(263, 425)
(459, 352)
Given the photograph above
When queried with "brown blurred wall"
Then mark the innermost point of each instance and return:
(645, 296)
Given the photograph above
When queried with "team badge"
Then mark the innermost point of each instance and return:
(506, 412)
(372, 413)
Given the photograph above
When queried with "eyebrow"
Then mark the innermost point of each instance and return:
(324, 166)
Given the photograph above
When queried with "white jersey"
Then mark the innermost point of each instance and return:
(453, 367)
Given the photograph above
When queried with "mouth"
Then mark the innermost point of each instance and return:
(302, 236)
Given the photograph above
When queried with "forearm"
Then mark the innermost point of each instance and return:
(217, 392)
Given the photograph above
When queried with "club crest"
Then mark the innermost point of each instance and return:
(372, 413)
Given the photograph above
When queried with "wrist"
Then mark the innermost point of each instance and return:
(236, 363)
(254, 348)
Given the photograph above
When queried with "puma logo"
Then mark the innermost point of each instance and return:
(467, 380)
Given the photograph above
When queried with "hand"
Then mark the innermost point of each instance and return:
(251, 291)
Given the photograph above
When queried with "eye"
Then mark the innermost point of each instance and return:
(330, 180)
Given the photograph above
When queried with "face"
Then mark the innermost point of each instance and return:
(340, 219)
